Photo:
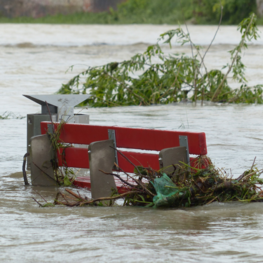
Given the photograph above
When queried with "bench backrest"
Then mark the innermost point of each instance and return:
(131, 138)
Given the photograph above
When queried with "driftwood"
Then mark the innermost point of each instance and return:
(80, 201)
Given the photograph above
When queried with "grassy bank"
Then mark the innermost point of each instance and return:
(111, 17)
(155, 12)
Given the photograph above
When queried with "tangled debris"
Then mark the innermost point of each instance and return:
(185, 187)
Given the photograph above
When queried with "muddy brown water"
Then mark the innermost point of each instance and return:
(35, 59)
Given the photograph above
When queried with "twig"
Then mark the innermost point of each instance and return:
(56, 198)
(89, 202)
(137, 181)
(80, 195)
(126, 159)
(63, 196)
(245, 176)
(190, 40)
(195, 88)
(253, 164)
(54, 148)
(240, 177)
(41, 196)
(233, 61)
(211, 201)
(116, 175)
(74, 194)
(250, 174)
(220, 21)
(203, 58)
(37, 202)
(111, 198)
(125, 172)
(24, 169)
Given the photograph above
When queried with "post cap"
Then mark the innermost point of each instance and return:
(63, 105)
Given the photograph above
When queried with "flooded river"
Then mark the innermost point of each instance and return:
(34, 60)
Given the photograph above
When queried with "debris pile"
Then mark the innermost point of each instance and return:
(185, 187)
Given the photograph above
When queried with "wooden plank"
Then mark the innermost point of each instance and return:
(144, 139)
(73, 157)
(79, 158)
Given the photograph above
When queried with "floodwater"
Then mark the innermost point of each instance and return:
(34, 60)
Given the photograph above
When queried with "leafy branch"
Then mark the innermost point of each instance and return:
(155, 78)
(249, 32)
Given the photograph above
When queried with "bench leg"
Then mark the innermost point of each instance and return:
(101, 157)
(172, 156)
(42, 173)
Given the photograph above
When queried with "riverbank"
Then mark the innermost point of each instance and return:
(128, 12)
(107, 18)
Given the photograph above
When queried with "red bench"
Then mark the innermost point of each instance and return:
(129, 138)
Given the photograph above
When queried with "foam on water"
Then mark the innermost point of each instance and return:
(82, 35)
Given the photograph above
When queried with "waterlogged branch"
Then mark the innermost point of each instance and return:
(116, 175)
(220, 22)
(81, 201)
(194, 69)
(238, 50)
(135, 180)
(203, 58)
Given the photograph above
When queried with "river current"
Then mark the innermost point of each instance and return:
(35, 60)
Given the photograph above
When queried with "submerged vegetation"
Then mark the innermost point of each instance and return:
(5, 116)
(10, 115)
(156, 78)
(64, 176)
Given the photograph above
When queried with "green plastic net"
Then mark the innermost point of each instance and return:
(167, 192)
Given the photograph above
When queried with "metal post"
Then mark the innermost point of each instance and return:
(184, 142)
(112, 136)
(60, 107)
